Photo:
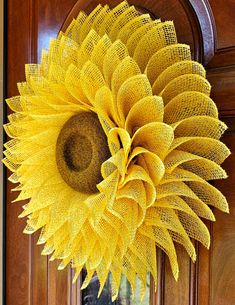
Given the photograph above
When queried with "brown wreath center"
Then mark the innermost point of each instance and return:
(81, 149)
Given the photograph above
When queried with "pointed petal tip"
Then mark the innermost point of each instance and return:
(52, 258)
(75, 279)
(114, 297)
(25, 231)
(99, 292)
(84, 285)
(227, 210)
(176, 275)
(61, 267)
(194, 257)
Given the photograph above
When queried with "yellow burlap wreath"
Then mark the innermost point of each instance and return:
(114, 139)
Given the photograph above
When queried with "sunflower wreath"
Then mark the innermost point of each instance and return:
(114, 137)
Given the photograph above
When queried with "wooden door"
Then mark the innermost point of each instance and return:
(208, 26)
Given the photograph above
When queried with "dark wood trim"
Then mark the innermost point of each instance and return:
(206, 23)
(223, 89)
(222, 58)
(4, 178)
(193, 277)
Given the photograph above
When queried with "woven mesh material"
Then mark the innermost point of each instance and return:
(163, 134)
(136, 35)
(165, 58)
(132, 26)
(175, 70)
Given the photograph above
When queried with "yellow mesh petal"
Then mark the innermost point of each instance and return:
(131, 91)
(87, 47)
(189, 206)
(170, 220)
(155, 137)
(88, 23)
(164, 58)
(115, 54)
(118, 138)
(125, 70)
(203, 167)
(188, 104)
(206, 169)
(195, 228)
(24, 88)
(73, 85)
(200, 208)
(188, 82)
(121, 21)
(73, 30)
(202, 126)
(135, 37)
(99, 51)
(105, 107)
(131, 27)
(14, 103)
(152, 164)
(157, 232)
(91, 80)
(156, 38)
(174, 71)
(143, 248)
(149, 109)
(136, 172)
(210, 195)
(211, 149)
